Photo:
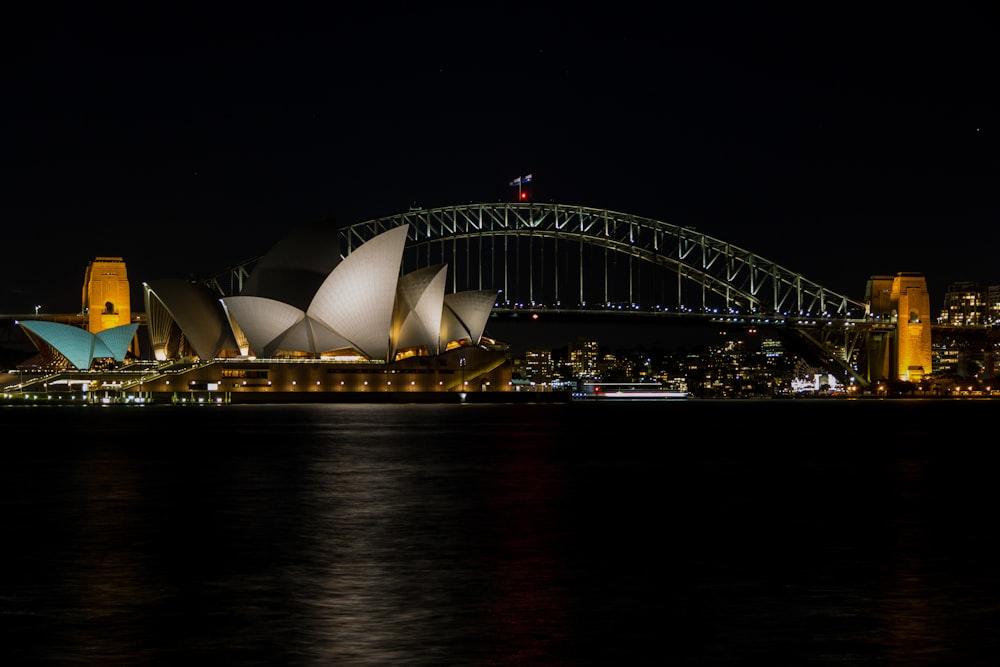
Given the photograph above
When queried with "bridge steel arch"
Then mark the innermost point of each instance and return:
(577, 259)
(565, 256)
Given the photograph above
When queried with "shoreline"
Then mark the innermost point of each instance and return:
(284, 398)
(403, 398)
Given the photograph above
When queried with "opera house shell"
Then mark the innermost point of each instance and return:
(303, 301)
(307, 324)
(78, 346)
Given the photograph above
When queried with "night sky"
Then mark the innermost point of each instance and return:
(841, 144)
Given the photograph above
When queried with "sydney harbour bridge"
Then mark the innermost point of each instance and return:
(567, 261)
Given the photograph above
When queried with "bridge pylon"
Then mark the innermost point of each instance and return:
(905, 353)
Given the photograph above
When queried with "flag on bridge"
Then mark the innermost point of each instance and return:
(520, 182)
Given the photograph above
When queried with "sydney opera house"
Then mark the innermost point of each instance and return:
(307, 324)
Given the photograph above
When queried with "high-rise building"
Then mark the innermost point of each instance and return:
(583, 357)
(965, 305)
(993, 304)
(538, 365)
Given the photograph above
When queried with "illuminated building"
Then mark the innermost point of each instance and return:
(964, 305)
(583, 357)
(302, 307)
(106, 300)
(60, 345)
(538, 366)
(993, 304)
(107, 333)
(913, 329)
(306, 322)
(905, 352)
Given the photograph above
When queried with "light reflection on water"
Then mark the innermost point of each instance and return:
(694, 532)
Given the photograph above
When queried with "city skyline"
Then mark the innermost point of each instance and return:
(840, 147)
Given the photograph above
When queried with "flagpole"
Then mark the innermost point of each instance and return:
(519, 182)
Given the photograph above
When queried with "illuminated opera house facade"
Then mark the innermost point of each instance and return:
(306, 323)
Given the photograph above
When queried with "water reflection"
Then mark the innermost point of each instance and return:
(914, 622)
(106, 580)
(433, 557)
(457, 535)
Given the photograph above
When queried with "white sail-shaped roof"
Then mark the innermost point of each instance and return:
(310, 336)
(356, 299)
(465, 315)
(271, 325)
(262, 320)
(419, 303)
(196, 311)
(294, 268)
(362, 304)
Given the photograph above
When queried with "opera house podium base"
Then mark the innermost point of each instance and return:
(464, 375)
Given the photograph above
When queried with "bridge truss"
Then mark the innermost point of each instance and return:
(562, 258)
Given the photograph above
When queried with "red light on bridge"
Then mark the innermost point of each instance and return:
(524, 195)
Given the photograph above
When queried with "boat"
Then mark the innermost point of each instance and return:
(627, 391)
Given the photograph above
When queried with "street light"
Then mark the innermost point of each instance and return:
(37, 308)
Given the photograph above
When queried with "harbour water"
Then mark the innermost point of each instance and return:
(609, 533)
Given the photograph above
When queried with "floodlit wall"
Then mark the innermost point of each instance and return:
(913, 328)
(106, 297)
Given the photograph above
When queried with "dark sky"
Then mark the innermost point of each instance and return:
(839, 141)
